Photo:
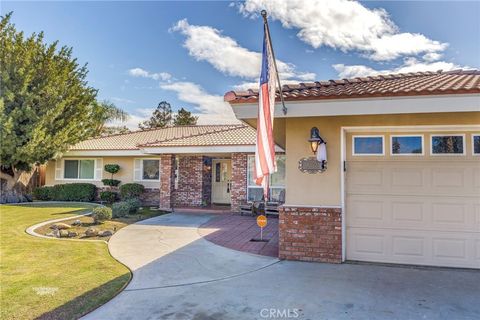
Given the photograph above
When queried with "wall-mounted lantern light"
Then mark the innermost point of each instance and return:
(315, 139)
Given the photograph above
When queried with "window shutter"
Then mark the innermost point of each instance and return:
(137, 170)
(59, 169)
(98, 168)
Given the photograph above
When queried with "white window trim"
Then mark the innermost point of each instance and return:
(78, 179)
(256, 186)
(473, 144)
(368, 154)
(141, 170)
(407, 154)
(448, 154)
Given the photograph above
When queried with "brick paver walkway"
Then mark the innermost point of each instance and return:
(236, 232)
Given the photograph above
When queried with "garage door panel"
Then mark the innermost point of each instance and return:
(422, 210)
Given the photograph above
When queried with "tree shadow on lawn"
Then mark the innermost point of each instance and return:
(82, 207)
(88, 301)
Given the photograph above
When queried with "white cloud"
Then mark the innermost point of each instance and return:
(139, 72)
(121, 100)
(344, 25)
(205, 43)
(409, 65)
(432, 56)
(211, 108)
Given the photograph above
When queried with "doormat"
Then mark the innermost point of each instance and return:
(259, 240)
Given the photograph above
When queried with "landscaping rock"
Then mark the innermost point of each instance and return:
(91, 232)
(60, 226)
(56, 233)
(77, 223)
(63, 234)
(106, 233)
(72, 234)
(50, 234)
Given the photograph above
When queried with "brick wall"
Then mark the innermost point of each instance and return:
(239, 180)
(310, 234)
(166, 181)
(207, 181)
(190, 182)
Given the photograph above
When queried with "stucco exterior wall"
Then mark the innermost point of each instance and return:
(125, 174)
(324, 189)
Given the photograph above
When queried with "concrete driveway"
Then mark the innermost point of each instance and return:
(180, 275)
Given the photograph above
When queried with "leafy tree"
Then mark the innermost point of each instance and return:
(109, 112)
(184, 118)
(109, 130)
(46, 105)
(161, 117)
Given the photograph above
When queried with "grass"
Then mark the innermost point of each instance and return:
(52, 279)
(112, 225)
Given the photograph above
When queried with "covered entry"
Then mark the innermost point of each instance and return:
(221, 181)
(413, 197)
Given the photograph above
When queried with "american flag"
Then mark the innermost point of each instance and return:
(265, 163)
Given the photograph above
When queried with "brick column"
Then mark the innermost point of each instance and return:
(239, 180)
(310, 234)
(166, 181)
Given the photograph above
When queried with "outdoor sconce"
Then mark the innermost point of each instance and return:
(319, 162)
(315, 139)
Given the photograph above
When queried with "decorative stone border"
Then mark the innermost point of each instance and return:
(31, 230)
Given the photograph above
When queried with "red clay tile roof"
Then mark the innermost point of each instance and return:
(173, 136)
(402, 84)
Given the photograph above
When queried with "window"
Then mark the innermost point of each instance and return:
(367, 146)
(79, 169)
(476, 144)
(407, 145)
(150, 169)
(453, 144)
(277, 181)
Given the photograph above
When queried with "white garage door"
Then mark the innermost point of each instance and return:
(412, 209)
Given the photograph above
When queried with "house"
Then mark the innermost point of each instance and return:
(402, 181)
(185, 166)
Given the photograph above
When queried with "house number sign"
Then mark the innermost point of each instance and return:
(311, 165)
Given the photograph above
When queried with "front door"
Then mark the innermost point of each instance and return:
(221, 181)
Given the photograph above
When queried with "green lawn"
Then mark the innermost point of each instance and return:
(52, 279)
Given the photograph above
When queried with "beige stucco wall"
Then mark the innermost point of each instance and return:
(125, 174)
(325, 188)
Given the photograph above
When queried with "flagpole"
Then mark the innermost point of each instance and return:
(265, 22)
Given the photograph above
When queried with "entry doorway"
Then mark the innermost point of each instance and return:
(221, 181)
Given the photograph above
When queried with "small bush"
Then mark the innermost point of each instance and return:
(44, 193)
(112, 168)
(134, 204)
(83, 192)
(111, 182)
(120, 209)
(108, 196)
(131, 190)
(101, 214)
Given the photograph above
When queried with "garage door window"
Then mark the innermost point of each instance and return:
(448, 144)
(368, 146)
(407, 145)
(476, 144)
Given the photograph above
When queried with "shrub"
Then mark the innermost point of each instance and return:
(112, 168)
(111, 182)
(75, 192)
(101, 214)
(134, 204)
(44, 193)
(83, 192)
(120, 209)
(131, 190)
(108, 196)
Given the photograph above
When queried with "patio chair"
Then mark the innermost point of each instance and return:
(252, 207)
(272, 206)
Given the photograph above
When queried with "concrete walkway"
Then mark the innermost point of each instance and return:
(179, 275)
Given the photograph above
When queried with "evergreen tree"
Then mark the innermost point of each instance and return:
(184, 118)
(162, 117)
(46, 105)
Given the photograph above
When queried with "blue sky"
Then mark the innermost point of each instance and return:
(191, 53)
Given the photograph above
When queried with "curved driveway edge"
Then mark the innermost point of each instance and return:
(167, 251)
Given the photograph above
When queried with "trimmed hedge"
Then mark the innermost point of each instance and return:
(108, 196)
(131, 190)
(100, 214)
(111, 182)
(83, 192)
